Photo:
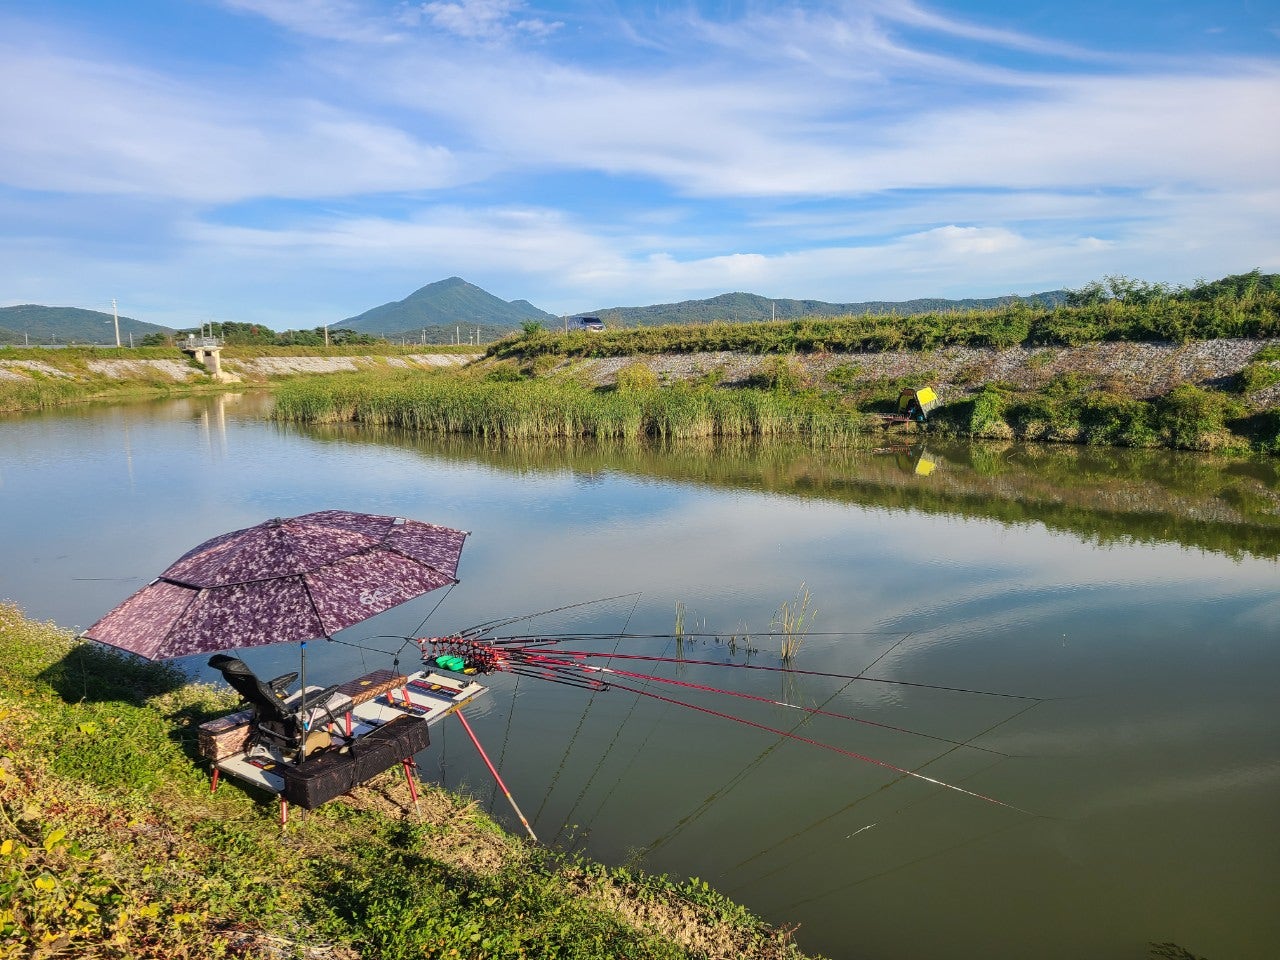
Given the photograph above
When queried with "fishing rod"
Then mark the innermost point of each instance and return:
(797, 672)
(489, 626)
(539, 665)
(812, 711)
(825, 746)
(485, 652)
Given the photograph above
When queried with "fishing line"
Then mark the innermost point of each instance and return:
(812, 711)
(688, 634)
(506, 737)
(901, 866)
(643, 743)
(778, 867)
(491, 625)
(790, 838)
(733, 782)
(608, 747)
(573, 739)
(853, 755)
(432, 611)
(564, 758)
(806, 673)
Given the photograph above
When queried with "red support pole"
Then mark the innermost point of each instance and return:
(214, 785)
(413, 787)
(493, 770)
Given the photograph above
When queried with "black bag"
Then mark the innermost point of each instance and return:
(327, 775)
(385, 746)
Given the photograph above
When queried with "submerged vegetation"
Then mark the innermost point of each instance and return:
(112, 846)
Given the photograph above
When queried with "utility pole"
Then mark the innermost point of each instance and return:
(326, 334)
(115, 314)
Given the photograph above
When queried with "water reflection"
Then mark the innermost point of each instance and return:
(1226, 505)
(1133, 593)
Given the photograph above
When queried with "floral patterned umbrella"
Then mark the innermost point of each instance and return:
(283, 581)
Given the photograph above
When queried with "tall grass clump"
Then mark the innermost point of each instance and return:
(793, 620)
(544, 409)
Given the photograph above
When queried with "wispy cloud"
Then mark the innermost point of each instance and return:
(486, 19)
(343, 20)
(93, 127)
(620, 153)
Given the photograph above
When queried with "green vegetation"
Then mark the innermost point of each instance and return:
(1072, 411)
(550, 408)
(254, 334)
(782, 398)
(112, 846)
(61, 325)
(444, 305)
(42, 379)
(1115, 309)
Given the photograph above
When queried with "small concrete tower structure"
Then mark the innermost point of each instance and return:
(207, 352)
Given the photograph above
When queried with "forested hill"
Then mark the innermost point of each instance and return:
(749, 307)
(452, 302)
(29, 322)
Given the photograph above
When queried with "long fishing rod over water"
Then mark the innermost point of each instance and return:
(544, 657)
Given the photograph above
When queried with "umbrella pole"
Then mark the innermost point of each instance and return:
(306, 725)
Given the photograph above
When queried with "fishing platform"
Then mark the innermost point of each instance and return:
(373, 723)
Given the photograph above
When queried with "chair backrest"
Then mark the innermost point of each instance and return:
(253, 691)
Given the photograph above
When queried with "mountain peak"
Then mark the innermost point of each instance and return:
(443, 303)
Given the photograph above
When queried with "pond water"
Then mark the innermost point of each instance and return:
(1129, 603)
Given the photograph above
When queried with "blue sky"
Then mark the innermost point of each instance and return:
(295, 162)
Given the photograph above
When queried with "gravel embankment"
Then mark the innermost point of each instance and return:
(1142, 369)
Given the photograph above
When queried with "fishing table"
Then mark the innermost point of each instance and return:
(379, 720)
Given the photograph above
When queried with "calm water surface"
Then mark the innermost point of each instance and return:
(1134, 599)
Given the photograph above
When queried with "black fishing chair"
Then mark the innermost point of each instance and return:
(278, 719)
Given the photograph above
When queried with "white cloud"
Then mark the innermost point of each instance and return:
(485, 19)
(850, 161)
(343, 20)
(99, 128)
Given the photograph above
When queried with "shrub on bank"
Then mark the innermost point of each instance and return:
(1187, 418)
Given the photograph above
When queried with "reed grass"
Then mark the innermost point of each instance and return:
(451, 404)
(793, 619)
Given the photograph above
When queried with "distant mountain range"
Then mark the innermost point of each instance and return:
(748, 307)
(30, 323)
(453, 309)
(451, 302)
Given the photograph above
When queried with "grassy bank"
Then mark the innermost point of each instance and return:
(501, 407)
(38, 379)
(111, 846)
(1254, 315)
